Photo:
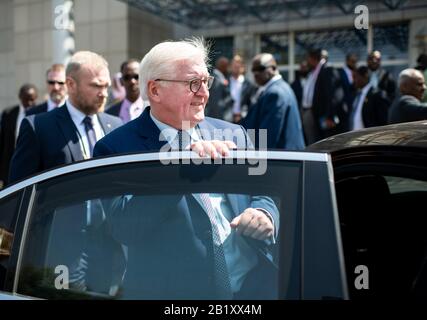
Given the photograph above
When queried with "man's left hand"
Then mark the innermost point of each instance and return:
(253, 223)
(213, 148)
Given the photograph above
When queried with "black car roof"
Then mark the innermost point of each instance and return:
(409, 134)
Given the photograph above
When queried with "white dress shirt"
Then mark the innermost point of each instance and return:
(308, 89)
(52, 105)
(236, 91)
(240, 258)
(358, 119)
(77, 116)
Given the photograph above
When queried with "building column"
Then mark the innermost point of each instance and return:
(63, 43)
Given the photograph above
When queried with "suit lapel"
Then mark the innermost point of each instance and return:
(69, 131)
(14, 117)
(149, 131)
(105, 123)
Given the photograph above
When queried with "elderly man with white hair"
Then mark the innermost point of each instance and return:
(409, 106)
(218, 248)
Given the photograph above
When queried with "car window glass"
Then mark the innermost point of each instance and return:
(383, 225)
(399, 184)
(144, 231)
(9, 207)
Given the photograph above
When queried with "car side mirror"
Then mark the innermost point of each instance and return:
(5, 242)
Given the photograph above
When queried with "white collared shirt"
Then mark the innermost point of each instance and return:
(308, 89)
(349, 74)
(21, 116)
(240, 258)
(358, 119)
(169, 134)
(52, 105)
(77, 116)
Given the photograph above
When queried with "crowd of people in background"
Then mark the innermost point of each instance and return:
(328, 100)
(322, 101)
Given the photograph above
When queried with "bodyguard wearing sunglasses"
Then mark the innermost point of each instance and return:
(133, 105)
(56, 89)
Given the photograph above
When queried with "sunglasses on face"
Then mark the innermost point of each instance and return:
(129, 77)
(53, 82)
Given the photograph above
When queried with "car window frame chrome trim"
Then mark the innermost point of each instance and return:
(23, 239)
(156, 156)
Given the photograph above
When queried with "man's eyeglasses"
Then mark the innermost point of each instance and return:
(53, 82)
(129, 77)
(194, 84)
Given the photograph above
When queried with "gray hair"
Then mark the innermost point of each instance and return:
(81, 58)
(407, 75)
(161, 61)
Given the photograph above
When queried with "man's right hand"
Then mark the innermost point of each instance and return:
(213, 148)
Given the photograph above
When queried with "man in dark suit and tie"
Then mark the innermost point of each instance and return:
(132, 106)
(370, 106)
(178, 93)
(11, 119)
(276, 109)
(322, 101)
(409, 106)
(241, 89)
(56, 88)
(69, 133)
(380, 78)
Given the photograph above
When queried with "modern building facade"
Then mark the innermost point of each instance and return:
(36, 33)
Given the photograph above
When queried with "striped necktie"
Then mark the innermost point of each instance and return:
(90, 132)
(222, 278)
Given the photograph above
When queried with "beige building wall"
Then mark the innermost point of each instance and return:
(102, 26)
(108, 27)
(32, 32)
(7, 58)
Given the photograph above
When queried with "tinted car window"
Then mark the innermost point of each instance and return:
(140, 231)
(383, 225)
(9, 208)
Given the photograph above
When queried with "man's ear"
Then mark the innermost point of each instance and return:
(153, 91)
(70, 82)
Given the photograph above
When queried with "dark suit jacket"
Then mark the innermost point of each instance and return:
(220, 100)
(277, 111)
(375, 108)
(170, 239)
(114, 110)
(7, 140)
(142, 134)
(406, 109)
(328, 100)
(41, 108)
(387, 83)
(49, 140)
(349, 95)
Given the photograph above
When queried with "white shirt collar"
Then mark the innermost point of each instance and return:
(169, 133)
(52, 105)
(76, 115)
(274, 79)
(239, 79)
